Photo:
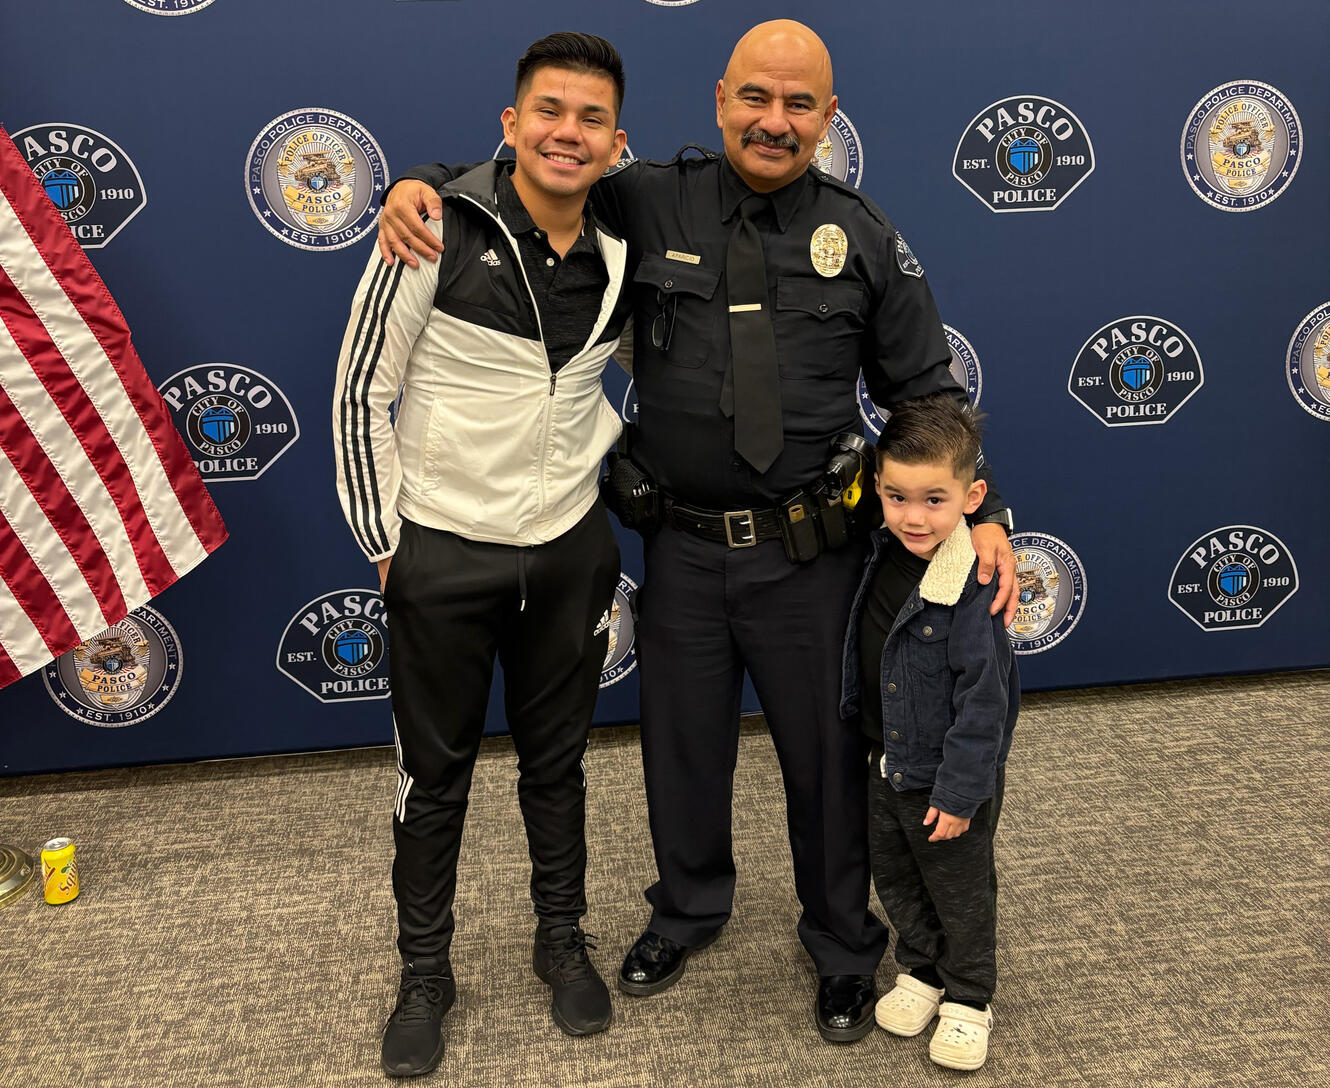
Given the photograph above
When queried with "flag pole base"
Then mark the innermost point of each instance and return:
(16, 873)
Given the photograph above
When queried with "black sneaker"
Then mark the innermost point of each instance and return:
(581, 1004)
(413, 1036)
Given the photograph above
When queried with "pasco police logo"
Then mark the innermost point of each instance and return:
(1233, 578)
(236, 421)
(1050, 588)
(314, 178)
(964, 368)
(92, 182)
(120, 677)
(1136, 370)
(169, 7)
(839, 153)
(1307, 364)
(620, 656)
(336, 647)
(1023, 154)
(1241, 146)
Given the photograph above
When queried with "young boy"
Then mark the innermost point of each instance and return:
(934, 678)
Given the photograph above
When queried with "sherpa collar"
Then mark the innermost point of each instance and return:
(945, 578)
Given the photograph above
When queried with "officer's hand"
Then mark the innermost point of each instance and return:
(383, 572)
(401, 229)
(948, 826)
(994, 551)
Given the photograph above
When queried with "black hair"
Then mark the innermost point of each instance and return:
(931, 430)
(577, 52)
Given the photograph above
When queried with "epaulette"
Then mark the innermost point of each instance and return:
(866, 201)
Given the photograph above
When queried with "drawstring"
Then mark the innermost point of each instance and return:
(521, 577)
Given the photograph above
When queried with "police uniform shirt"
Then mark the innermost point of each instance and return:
(899, 571)
(568, 290)
(834, 316)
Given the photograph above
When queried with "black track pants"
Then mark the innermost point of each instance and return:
(940, 896)
(453, 605)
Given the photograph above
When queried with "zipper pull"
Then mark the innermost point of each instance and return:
(552, 377)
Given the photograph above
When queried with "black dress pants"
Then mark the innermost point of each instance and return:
(707, 612)
(940, 896)
(452, 605)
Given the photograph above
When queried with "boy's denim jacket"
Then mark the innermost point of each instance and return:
(950, 691)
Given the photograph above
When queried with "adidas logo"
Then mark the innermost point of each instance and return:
(491, 258)
(603, 625)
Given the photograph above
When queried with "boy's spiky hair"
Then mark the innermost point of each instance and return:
(931, 430)
(577, 52)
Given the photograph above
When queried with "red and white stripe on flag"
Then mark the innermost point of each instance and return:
(101, 507)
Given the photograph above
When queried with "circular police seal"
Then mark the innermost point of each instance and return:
(964, 368)
(92, 182)
(1233, 578)
(237, 421)
(169, 7)
(336, 647)
(1241, 146)
(839, 152)
(314, 177)
(1050, 589)
(120, 677)
(671, 3)
(621, 655)
(1135, 371)
(1026, 153)
(1307, 364)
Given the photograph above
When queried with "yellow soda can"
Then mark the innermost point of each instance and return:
(59, 872)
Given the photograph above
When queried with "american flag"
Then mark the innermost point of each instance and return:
(101, 507)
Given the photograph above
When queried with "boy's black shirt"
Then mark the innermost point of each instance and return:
(894, 581)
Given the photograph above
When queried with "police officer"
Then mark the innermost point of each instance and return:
(835, 291)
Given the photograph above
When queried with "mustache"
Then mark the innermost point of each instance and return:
(760, 136)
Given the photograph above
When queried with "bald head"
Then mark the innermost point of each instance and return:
(783, 44)
(774, 103)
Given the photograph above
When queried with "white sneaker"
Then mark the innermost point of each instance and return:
(909, 1007)
(961, 1038)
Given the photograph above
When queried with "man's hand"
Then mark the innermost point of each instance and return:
(994, 550)
(401, 229)
(383, 572)
(948, 826)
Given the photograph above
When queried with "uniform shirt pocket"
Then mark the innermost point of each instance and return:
(677, 320)
(819, 325)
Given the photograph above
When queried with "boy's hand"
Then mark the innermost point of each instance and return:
(948, 826)
(400, 227)
(383, 572)
(994, 551)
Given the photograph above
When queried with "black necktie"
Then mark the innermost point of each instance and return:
(754, 397)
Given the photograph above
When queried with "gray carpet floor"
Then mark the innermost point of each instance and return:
(1163, 919)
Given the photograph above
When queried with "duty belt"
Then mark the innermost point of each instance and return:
(737, 528)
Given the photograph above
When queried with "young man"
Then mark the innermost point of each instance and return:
(934, 677)
(480, 508)
(762, 290)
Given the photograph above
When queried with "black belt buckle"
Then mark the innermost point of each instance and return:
(731, 516)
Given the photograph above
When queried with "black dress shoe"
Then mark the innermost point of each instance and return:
(413, 1036)
(845, 1007)
(654, 963)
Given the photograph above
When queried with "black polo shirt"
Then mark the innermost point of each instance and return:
(568, 290)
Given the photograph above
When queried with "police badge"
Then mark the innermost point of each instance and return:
(828, 249)
(1241, 145)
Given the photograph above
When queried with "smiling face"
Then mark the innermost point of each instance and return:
(922, 504)
(563, 131)
(774, 103)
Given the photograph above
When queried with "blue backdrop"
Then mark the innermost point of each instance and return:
(1110, 203)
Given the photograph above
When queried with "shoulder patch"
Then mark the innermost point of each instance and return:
(905, 258)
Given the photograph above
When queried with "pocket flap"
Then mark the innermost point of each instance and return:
(675, 277)
(818, 296)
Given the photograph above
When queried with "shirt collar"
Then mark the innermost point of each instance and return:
(518, 220)
(733, 191)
